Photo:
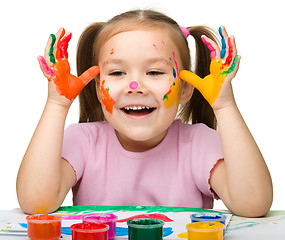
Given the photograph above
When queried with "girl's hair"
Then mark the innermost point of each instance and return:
(197, 110)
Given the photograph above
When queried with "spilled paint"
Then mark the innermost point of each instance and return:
(149, 209)
(159, 216)
(106, 98)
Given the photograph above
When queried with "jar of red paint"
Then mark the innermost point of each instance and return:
(89, 231)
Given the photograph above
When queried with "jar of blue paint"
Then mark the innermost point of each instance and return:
(208, 217)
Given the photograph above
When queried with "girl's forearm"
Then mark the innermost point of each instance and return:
(39, 176)
(248, 179)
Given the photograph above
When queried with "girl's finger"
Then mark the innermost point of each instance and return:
(64, 45)
(212, 46)
(233, 41)
(47, 71)
(58, 36)
(47, 49)
(232, 71)
(224, 39)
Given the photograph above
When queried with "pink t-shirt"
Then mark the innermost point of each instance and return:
(174, 173)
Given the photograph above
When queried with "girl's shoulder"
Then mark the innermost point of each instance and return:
(89, 129)
(193, 131)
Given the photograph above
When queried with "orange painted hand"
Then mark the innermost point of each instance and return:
(223, 68)
(56, 68)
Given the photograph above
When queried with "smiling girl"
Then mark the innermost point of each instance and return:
(134, 144)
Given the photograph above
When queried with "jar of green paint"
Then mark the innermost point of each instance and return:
(145, 228)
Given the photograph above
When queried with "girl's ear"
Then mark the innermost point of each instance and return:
(186, 92)
(97, 82)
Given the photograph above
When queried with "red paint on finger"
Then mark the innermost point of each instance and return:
(58, 44)
(64, 45)
(230, 56)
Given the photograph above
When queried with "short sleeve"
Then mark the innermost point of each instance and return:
(206, 152)
(75, 148)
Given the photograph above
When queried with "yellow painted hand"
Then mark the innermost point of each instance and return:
(211, 85)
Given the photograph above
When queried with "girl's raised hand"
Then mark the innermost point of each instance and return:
(56, 69)
(216, 87)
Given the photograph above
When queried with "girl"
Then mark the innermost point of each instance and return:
(129, 148)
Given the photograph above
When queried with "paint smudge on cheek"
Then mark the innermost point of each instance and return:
(106, 98)
(112, 51)
(174, 92)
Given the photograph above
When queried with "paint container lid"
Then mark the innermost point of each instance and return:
(205, 226)
(145, 223)
(89, 227)
(99, 217)
(207, 217)
(43, 218)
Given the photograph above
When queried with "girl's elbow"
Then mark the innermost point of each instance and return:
(254, 208)
(36, 205)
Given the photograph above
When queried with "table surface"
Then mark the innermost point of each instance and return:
(269, 227)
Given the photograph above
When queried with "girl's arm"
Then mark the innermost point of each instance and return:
(44, 178)
(242, 180)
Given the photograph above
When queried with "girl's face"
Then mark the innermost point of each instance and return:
(139, 86)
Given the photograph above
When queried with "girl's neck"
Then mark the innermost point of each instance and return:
(140, 146)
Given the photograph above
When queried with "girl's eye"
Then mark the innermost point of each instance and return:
(154, 73)
(117, 73)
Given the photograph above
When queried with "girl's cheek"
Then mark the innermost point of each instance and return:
(173, 94)
(106, 99)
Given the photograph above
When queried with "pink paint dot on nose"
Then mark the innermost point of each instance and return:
(133, 85)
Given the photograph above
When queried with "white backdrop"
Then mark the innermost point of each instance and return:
(259, 86)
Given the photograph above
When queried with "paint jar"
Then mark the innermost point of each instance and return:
(208, 217)
(145, 229)
(205, 231)
(44, 227)
(89, 231)
(109, 219)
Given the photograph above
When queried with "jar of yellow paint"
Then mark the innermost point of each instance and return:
(205, 231)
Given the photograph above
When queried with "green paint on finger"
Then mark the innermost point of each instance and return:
(50, 53)
(235, 61)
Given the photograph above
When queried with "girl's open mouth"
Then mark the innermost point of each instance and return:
(138, 110)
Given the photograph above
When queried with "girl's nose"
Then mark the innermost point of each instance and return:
(133, 85)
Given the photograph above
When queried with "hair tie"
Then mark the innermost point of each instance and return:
(185, 31)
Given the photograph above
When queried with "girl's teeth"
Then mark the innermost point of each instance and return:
(136, 108)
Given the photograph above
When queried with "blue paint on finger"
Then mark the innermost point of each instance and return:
(224, 46)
